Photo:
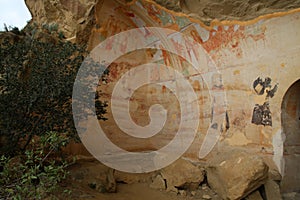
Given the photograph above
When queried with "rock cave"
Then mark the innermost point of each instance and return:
(222, 96)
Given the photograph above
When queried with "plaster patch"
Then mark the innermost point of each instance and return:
(278, 141)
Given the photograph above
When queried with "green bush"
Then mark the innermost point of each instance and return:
(38, 68)
(37, 173)
(37, 72)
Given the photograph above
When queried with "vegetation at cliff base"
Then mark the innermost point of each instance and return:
(38, 68)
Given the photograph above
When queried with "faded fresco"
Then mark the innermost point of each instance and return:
(243, 72)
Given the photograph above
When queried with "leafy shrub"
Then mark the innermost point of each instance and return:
(37, 72)
(38, 68)
(37, 173)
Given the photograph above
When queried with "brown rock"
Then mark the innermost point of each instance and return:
(78, 19)
(234, 9)
(272, 190)
(95, 175)
(182, 192)
(274, 175)
(254, 196)
(104, 183)
(206, 196)
(234, 175)
(158, 183)
(130, 178)
(193, 193)
(75, 16)
(111, 185)
(67, 14)
(182, 173)
(291, 195)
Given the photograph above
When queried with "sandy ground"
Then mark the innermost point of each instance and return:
(133, 191)
(84, 172)
(137, 187)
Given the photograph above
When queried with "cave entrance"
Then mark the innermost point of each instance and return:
(290, 119)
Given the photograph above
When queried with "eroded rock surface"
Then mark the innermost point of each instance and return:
(254, 196)
(207, 10)
(272, 190)
(96, 176)
(182, 173)
(75, 18)
(71, 16)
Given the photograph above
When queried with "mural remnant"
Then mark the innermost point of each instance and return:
(261, 113)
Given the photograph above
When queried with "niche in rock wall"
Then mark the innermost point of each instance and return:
(290, 116)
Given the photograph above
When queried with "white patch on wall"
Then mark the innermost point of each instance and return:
(278, 142)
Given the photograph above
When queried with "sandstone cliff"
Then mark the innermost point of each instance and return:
(71, 16)
(76, 18)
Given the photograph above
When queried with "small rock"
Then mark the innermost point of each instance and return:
(274, 175)
(130, 178)
(272, 190)
(105, 182)
(204, 187)
(158, 183)
(181, 173)
(182, 192)
(192, 186)
(254, 196)
(193, 193)
(206, 196)
(111, 185)
(173, 190)
(291, 195)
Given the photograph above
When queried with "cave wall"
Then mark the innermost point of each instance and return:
(256, 61)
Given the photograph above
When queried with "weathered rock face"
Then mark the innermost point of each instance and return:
(272, 190)
(207, 10)
(96, 175)
(235, 47)
(182, 173)
(234, 175)
(74, 17)
(71, 16)
(258, 61)
(254, 196)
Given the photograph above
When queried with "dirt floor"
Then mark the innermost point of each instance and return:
(83, 173)
(135, 191)
(88, 177)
